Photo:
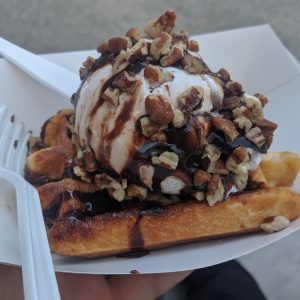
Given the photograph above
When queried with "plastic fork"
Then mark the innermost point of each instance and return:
(39, 281)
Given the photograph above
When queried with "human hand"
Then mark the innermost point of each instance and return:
(119, 287)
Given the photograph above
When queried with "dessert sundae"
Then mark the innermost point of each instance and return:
(159, 150)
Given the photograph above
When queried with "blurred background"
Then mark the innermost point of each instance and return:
(46, 26)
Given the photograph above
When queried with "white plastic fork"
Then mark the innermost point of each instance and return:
(39, 281)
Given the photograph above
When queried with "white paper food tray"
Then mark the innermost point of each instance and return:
(254, 56)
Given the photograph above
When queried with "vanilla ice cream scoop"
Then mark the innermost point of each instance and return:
(158, 120)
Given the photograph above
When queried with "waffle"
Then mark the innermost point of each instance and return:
(83, 220)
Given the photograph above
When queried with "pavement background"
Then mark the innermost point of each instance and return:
(45, 26)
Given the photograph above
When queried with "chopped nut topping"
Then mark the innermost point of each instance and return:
(103, 48)
(117, 44)
(240, 180)
(231, 103)
(166, 23)
(192, 64)
(241, 111)
(111, 95)
(267, 128)
(278, 223)
(255, 108)
(135, 191)
(159, 136)
(212, 152)
(194, 46)
(191, 98)
(161, 45)
(199, 196)
(121, 61)
(159, 109)
(83, 72)
(172, 185)
(146, 173)
(223, 74)
(263, 99)
(126, 82)
(88, 62)
(234, 88)
(172, 57)
(139, 50)
(256, 136)
(181, 40)
(218, 167)
(179, 118)
(154, 75)
(215, 190)
(148, 127)
(116, 191)
(227, 127)
(134, 34)
(81, 172)
(167, 160)
(235, 162)
(243, 123)
(201, 177)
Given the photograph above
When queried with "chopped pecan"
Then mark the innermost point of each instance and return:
(276, 224)
(154, 75)
(161, 45)
(263, 99)
(267, 128)
(223, 74)
(121, 61)
(241, 111)
(215, 190)
(227, 127)
(146, 173)
(126, 82)
(179, 118)
(172, 57)
(117, 44)
(172, 185)
(194, 46)
(134, 34)
(255, 108)
(103, 48)
(199, 196)
(165, 22)
(192, 64)
(159, 109)
(238, 162)
(181, 40)
(256, 136)
(159, 136)
(83, 72)
(111, 95)
(231, 103)
(201, 177)
(217, 167)
(139, 50)
(243, 123)
(136, 191)
(148, 126)
(191, 98)
(168, 160)
(88, 62)
(212, 152)
(234, 88)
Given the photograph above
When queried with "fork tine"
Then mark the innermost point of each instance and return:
(21, 154)
(4, 140)
(12, 148)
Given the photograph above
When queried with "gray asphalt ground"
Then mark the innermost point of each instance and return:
(45, 26)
